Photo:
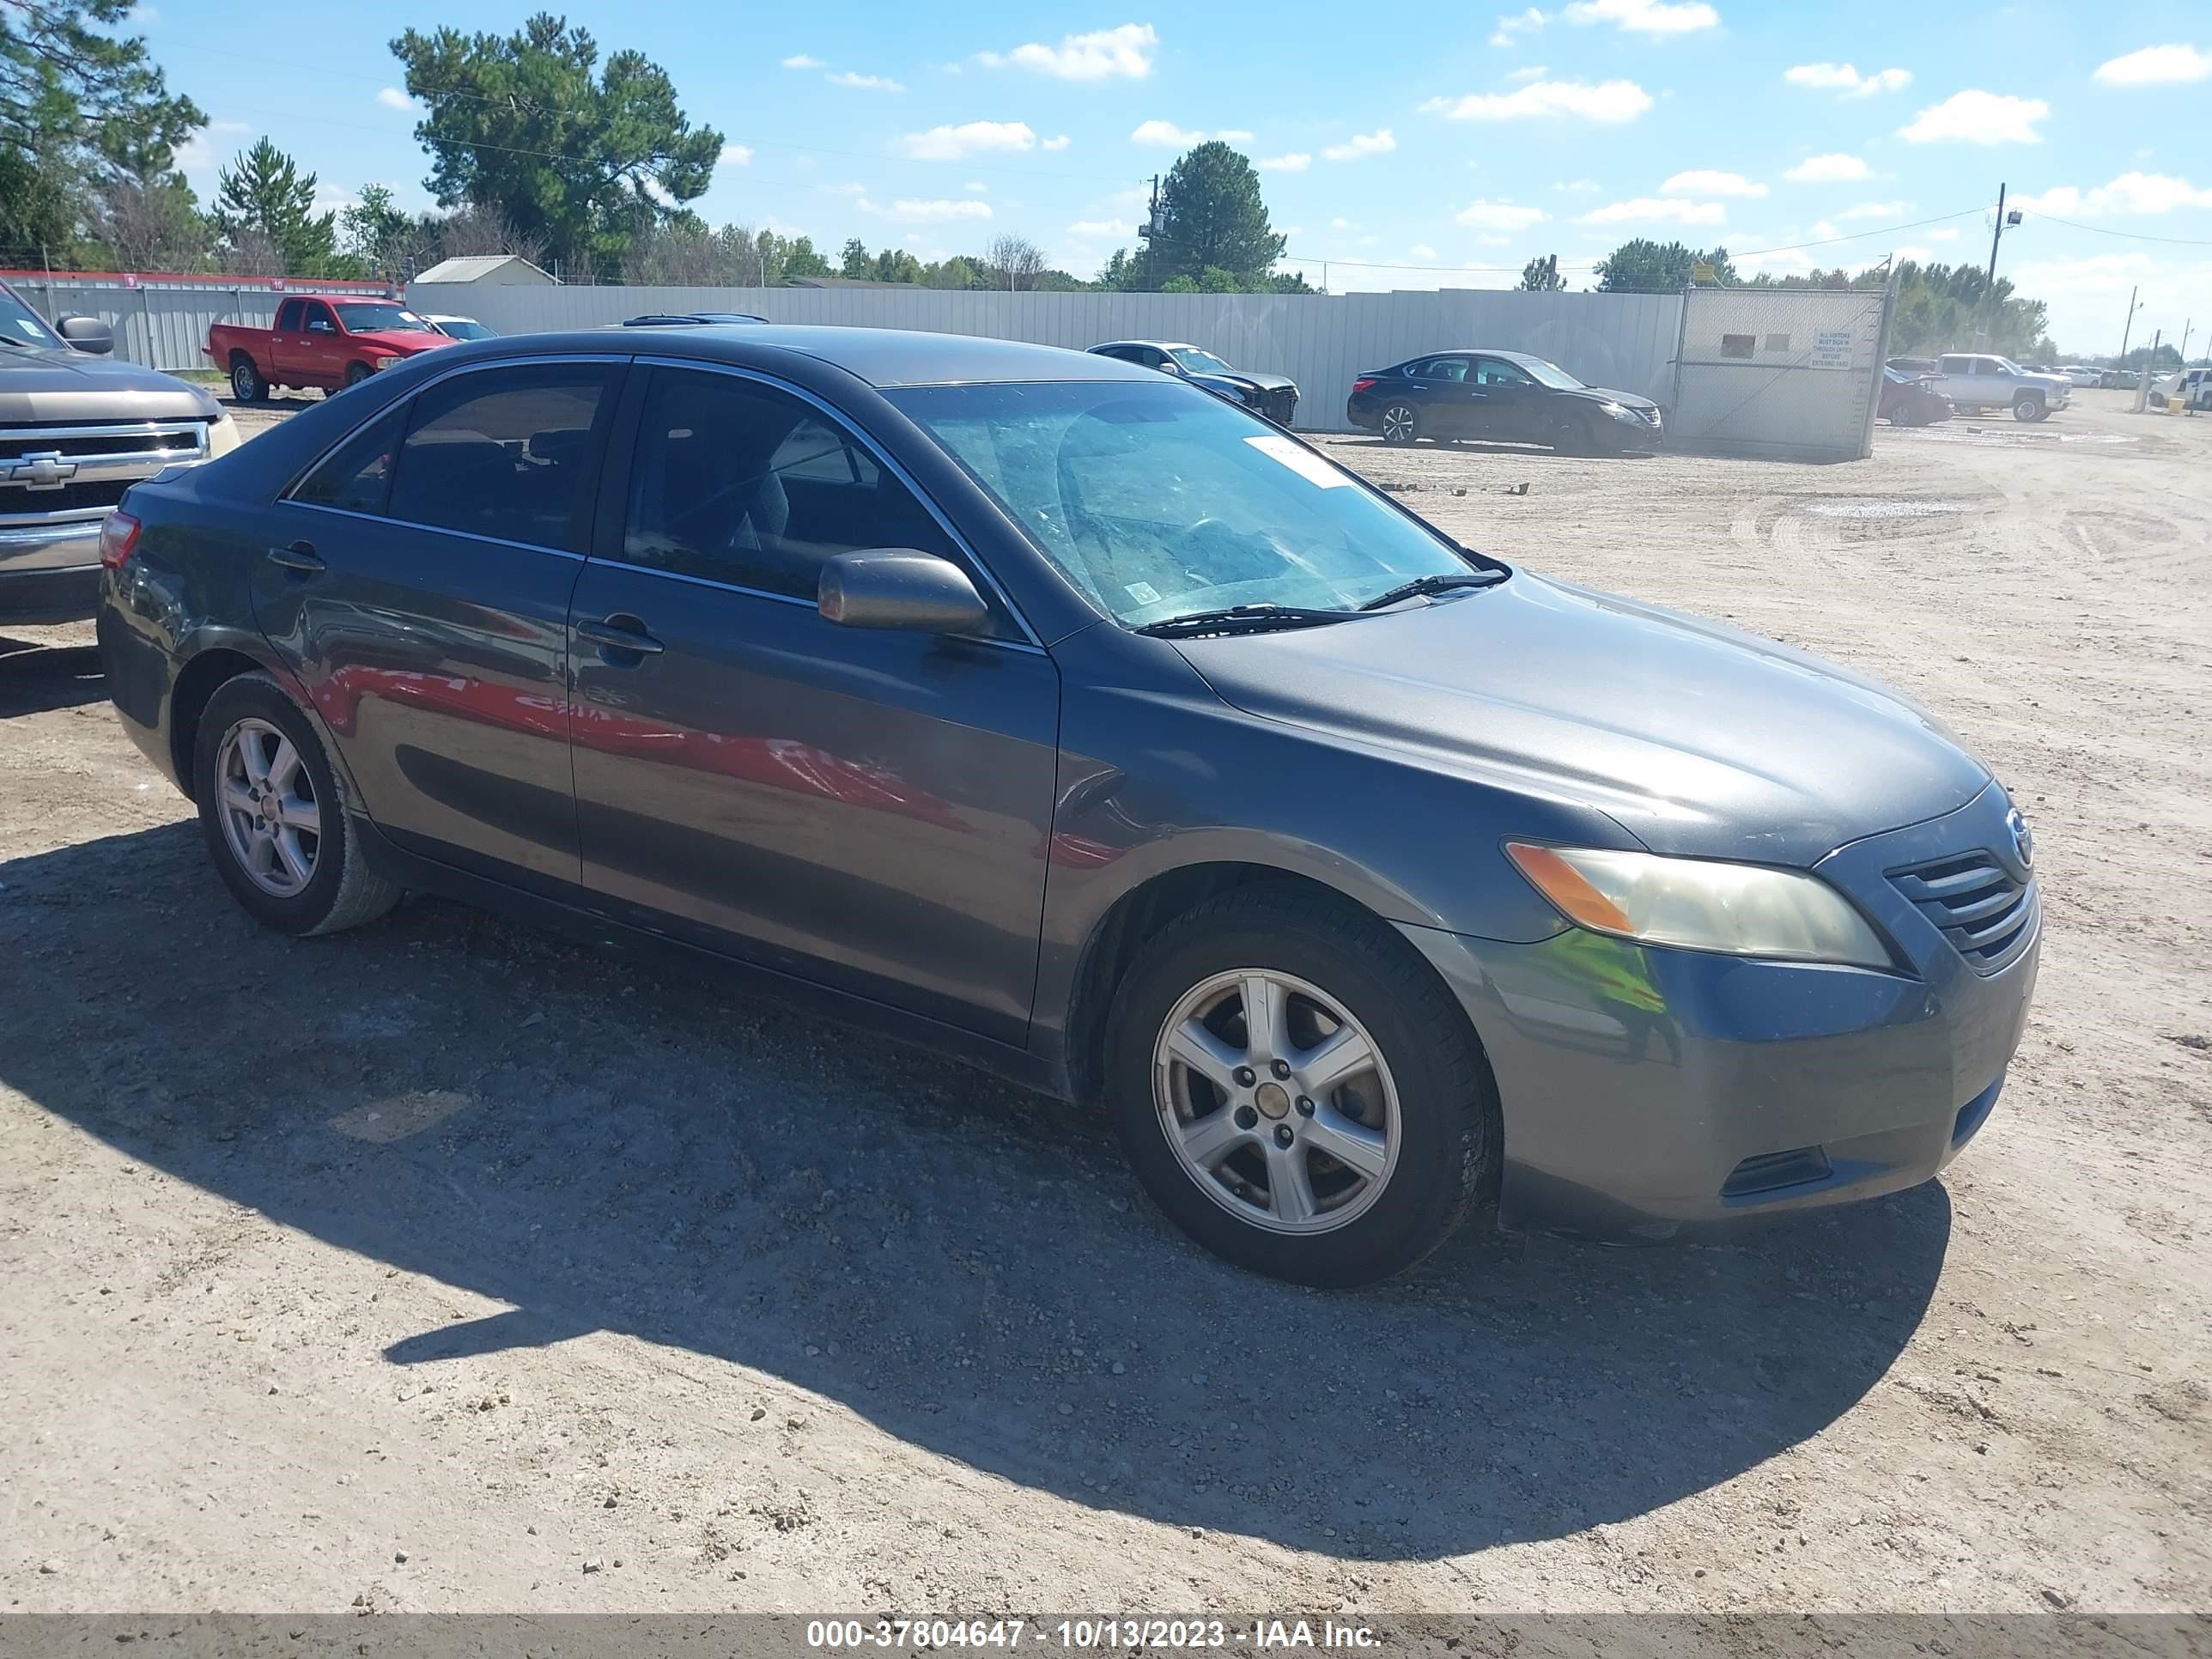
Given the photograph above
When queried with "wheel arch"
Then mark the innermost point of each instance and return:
(213, 665)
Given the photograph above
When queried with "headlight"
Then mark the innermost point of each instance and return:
(382, 364)
(1620, 411)
(222, 435)
(1701, 904)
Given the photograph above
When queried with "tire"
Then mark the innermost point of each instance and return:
(1336, 1225)
(339, 889)
(1574, 436)
(245, 382)
(1400, 425)
(357, 372)
(2028, 407)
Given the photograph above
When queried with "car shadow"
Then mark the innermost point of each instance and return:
(605, 1141)
(1484, 447)
(35, 678)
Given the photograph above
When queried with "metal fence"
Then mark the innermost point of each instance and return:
(1782, 374)
(1322, 340)
(165, 325)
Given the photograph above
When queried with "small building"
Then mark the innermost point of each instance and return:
(494, 270)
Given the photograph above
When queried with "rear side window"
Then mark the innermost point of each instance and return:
(287, 317)
(357, 475)
(506, 452)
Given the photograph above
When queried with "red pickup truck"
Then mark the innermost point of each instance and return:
(327, 340)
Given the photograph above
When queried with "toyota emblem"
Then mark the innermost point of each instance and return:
(2023, 839)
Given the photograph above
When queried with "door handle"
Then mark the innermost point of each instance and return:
(619, 632)
(299, 556)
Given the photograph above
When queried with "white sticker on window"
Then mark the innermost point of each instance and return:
(1143, 593)
(1300, 459)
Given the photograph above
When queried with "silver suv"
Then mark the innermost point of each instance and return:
(1983, 380)
(76, 429)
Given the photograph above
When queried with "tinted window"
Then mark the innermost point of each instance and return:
(288, 317)
(1490, 371)
(1440, 368)
(1957, 365)
(506, 452)
(358, 473)
(739, 483)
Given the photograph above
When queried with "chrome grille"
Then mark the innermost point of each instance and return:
(1978, 903)
(58, 474)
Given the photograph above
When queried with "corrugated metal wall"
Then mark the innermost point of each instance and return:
(1625, 341)
(158, 325)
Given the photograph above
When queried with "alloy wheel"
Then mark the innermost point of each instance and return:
(1276, 1100)
(1399, 424)
(271, 821)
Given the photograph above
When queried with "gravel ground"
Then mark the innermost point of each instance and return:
(446, 1266)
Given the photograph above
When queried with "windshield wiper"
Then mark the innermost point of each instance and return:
(1437, 584)
(1240, 619)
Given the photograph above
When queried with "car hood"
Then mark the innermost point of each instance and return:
(1699, 739)
(1265, 382)
(406, 341)
(55, 386)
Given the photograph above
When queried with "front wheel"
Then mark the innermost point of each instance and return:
(357, 372)
(1297, 1090)
(1401, 424)
(2028, 407)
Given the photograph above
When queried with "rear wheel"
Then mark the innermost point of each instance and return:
(1401, 424)
(1297, 1091)
(273, 814)
(245, 382)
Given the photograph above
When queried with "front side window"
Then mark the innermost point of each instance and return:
(1156, 501)
(505, 452)
(369, 317)
(739, 483)
(317, 320)
(1490, 371)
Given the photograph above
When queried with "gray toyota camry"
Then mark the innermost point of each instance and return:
(1036, 706)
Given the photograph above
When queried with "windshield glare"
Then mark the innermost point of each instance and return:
(1160, 500)
(1196, 362)
(381, 320)
(461, 329)
(18, 322)
(1550, 373)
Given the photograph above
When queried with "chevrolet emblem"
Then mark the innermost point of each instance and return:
(45, 471)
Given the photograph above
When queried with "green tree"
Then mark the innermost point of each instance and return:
(796, 257)
(151, 223)
(1211, 213)
(854, 261)
(263, 194)
(1643, 266)
(386, 240)
(1542, 276)
(576, 157)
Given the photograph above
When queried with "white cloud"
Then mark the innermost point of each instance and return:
(1974, 117)
(1704, 181)
(1829, 170)
(951, 144)
(1421, 251)
(1296, 161)
(1362, 144)
(1166, 135)
(1101, 55)
(1877, 210)
(1842, 77)
(393, 98)
(1520, 23)
(800, 60)
(1949, 233)
(1917, 255)
(868, 82)
(1646, 16)
(846, 189)
(1827, 230)
(2156, 66)
(2131, 192)
(1485, 214)
(911, 212)
(1580, 187)
(1102, 229)
(1060, 142)
(1340, 223)
(1529, 72)
(1234, 136)
(1653, 210)
(1609, 102)
(734, 155)
(223, 126)
(976, 187)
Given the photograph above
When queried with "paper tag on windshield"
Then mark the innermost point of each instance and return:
(1300, 459)
(1143, 593)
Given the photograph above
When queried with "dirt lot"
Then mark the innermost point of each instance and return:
(444, 1266)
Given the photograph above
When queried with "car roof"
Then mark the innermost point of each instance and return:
(1157, 345)
(880, 356)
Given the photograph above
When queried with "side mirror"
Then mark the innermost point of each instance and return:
(899, 588)
(87, 334)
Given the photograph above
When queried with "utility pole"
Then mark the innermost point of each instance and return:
(1995, 236)
(2186, 324)
(1149, 230)
(2134, 305)
(2150, 362)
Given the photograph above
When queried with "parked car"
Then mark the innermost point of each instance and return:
(2079, 374)
(1507, 396)
(690, 318)
(326, 340)
(2183, 387)
(77, 429)
(1914, 365)
(1978, 380)
(1275, 396)
(1911, 399)
(1031, 703)
(460, 328)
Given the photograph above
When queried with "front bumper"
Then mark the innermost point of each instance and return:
(1645, 1090)
(49, 573)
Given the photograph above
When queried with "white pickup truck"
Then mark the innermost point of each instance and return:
(1975, 380)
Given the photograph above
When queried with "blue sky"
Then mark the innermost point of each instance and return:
(1394, 141)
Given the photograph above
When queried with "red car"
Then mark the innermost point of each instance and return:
(1911, 399)
(330, 341)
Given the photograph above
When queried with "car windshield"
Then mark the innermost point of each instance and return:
(382, 319)
(1550, 375)
(1195, 361)
(463, 328)
(1160, 500)
(2008, 366)
(20, 324)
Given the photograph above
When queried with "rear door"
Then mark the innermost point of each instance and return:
(1957, 379)
(1441, 392)
(864, 807)
(418, 582)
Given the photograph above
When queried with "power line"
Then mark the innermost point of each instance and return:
(2130, 235)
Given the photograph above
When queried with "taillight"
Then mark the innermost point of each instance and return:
(1362, 385)
(118, 539)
